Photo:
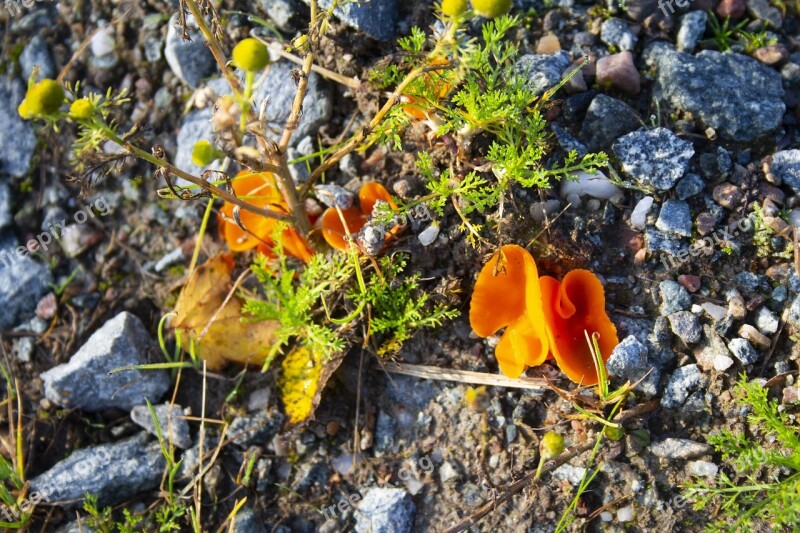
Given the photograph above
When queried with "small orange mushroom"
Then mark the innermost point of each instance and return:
(507, 294)
(259, 189)
(416, 106)
(333, 230)
(573, 307)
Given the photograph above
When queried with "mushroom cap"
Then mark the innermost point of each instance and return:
(572, 307)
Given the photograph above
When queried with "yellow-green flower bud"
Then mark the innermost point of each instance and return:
(251, 55)
(42, 99)
(204, 153)
(552, 445)
(491, 8)
(452, 8)
(613, 433)
(82, 108)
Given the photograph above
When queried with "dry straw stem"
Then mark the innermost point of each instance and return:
(466, 376)
(551, 465)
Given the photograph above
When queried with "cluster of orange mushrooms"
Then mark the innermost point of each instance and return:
(544, 318)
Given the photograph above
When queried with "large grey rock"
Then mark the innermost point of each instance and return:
(385, 511)
(674, 297)
(376, 18)
(655, 158)
(542, 71)
(607, 119)
(190, 60)
(734, 94)
(35, 54)
(615, 32)
(112, 472)
(786, 165)
(16, 135)
(169, 421)
(23, 282)
(85, 383)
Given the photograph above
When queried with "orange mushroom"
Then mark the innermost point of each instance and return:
(573, 307)
(333, 230)
(507, 294)
(542, 316)
(417, 106)
(260, 190)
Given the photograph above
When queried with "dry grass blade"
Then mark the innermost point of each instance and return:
(466, 376)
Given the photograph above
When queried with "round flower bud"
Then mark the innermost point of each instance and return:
(451, 8)
(82, 108)
(251, 55)
(491, 8)
(551, 446)
(43, 98)
(204, 153)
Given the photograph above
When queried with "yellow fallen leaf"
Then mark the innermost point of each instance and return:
(227, 338)
(301, 383)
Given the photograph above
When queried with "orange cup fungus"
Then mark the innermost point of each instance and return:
(541, 315)
(416, 106)
(259, 189)
(333, 230)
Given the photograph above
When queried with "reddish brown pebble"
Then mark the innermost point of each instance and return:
(731, 8)
(618, 71)
(332, 427)
(772, 55)
(773, 193)
(692, 283)
(705, 223)
(46, 308)
(640, 256)
(727, 195)
(548, 45)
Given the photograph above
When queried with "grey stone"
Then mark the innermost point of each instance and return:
(743, 351)
(281, 12)
(674, 297)
(257, 429)
(23, 282)
(786, 165)
(682, 382)
(658, 241)
(793, 315)
(385, 511)
(630, 361)
(35, 54)
(85, 381)
(248, 522)
(385, 429)
(675, 217)
(672, 448)
(750, 281)
(766, 321)
(378, 19)
(542, 71)
(113, 472)
(16, 136)
(763, 10)
(615, 32)
(686, 326)
(5, 203)
(607, 119)
(172, 426)
(690, 185)
(740, 98)
(569, 143)
(190, 60)
(693, 26)
(655, 158)
(196, 127)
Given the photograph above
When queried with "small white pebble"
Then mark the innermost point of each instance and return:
(429, 234)
(722, 363)
(625, 514)
(703, 468)
(103, 41)
(696, 309)
(639, 215)
(605, 516)
(596, 185)
(717, 312)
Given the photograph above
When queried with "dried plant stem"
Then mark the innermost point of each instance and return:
(465, 376)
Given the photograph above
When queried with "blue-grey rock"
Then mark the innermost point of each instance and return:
(630, 360)
(16, 135)
(23, 282)
(793, 316)
(674, 297)
(378, 19)
(690, 185)
(766, 321)
(85, 382)
(743, 351)
(655, 158)
(385, 511)
(569, 143)
(763, 10)
(196, 127)
(682, 382)
(256, 429)
(248, 522)
(750, 281)
(190, 60)
(686, 326)
(172, 426)
(5, 203)
(35, 54)
(740, 98)
(658, 241)
(113, 472)
(385, 428)
(676, 218)
(615, 32)
(693, 26)
(786, 165)
(542, 71)
(282, 13)
(607, 119)
(780, 293)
